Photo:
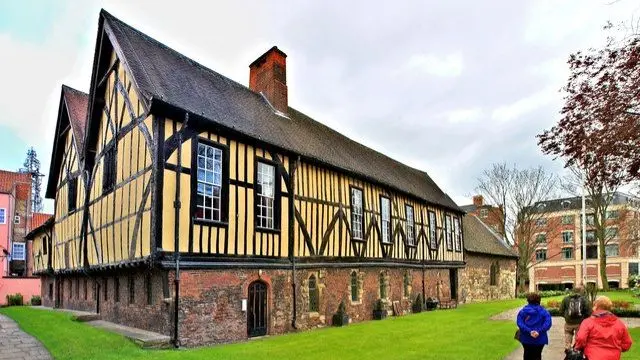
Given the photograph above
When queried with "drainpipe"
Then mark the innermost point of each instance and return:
(176, 255)
(291, 237)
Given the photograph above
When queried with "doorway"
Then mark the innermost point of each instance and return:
(257, 309)
(453, 283)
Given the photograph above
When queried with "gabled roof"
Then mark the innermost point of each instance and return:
(39, 219)
(45, 225)
(15, 181)
(72, 112)
(480, 238)
(166, 78)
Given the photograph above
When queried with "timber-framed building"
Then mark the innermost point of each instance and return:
(167, 170)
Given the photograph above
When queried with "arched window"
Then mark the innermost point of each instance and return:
(314, 294)
(383, 287)
(406, 282)
(494, 273)
(355, 290)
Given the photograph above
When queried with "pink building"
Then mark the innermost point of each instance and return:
(16, 220)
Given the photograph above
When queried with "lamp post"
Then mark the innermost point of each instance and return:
(584, 233)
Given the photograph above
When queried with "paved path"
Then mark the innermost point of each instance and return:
(555, 349)
(15, 344)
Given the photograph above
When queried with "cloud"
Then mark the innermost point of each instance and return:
(450, 65)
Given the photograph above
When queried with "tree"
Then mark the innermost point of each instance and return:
(600, 119)
(518, 191)
(601, 189)
(32, 166)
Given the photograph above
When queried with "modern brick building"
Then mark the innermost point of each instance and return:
(270, 218)
(558, 256)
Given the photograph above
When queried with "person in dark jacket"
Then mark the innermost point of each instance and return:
(533, 321)
(575, 308)
(603, 336)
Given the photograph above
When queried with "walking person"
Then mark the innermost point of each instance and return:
(534, 322)
(575, 308)
(603, 336)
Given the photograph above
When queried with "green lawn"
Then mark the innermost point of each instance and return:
(464, 333)
(613, 295)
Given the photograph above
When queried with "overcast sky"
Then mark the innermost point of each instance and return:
(449, 87)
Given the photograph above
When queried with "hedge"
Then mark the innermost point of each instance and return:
(15, 300)
(630, 313)
(544, 294)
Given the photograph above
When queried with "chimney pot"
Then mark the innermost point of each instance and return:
(268, 75)
(478, 200)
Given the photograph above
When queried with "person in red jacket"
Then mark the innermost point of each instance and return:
(603, 336)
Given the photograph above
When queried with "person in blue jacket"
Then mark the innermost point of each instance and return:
(533, 321)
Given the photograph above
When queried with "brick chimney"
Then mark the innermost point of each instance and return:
(268, 75)
(478, 200)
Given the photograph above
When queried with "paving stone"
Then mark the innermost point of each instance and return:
(18, 345)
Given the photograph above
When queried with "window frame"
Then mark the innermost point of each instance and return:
(611, 245)
(362, 225)
(410, 228)
(484, 213)
(543, 236)
(277, 195)
(13, 251)
(570, 249)
(448, 231)
(72, 196)
(355, 286)
(389, 233)
(434, 244)
(314, 305)
(541, 258)
(608, 230)
(570, 232)
(457, 234)
(610, 213)
(571, 219)
(16, 220)
(494, 273)
(3, 217)
(224, 191)
(109, 167)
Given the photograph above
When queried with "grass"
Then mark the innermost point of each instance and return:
(613, 295)
(450, 334)
(465, 333)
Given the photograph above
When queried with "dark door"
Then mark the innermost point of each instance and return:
(97, 297)
(453, 283)
(257, 311)
(59, 295)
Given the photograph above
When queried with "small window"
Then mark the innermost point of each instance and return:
(433, 231)
(357, 215)
(73, 189)
(567, 253)
(613, 214)
(457, 233)
(494, 273)
(634, 269)
(406, 282)
(448, 229)
(484, 213)
(3, 216)
(411, 229)
(385, 212)
(16, 219)
(566, 204)
(209, 191)
(314, 294)
(591, 236)
(266, 196)
(592, 251)
(18, 252)
(355, 287)
(541, 238)
(149, 285)
(611, 233)
(109, 169)
(568, 219)
(591, 219)
(383, 286)
(612, 250)
(567, 237)
(541, 254)
(45, 245)
(541, 222)
(132, 290)
(116, 289)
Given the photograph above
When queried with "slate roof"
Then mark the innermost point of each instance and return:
(77, 109)
(20, 182)
(468, 208)
(480, 238)
(167, 77)
(574, 203)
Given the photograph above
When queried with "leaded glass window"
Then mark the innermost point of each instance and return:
(433, 232)
(411, 232)
(209, 192)
(355, 290)
(314, 294)
(385, 211)
(356, 214)
(265, 196)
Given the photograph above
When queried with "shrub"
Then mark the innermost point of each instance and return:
(634, 280)
(632, 313)
(620, 304)
(15, 300)
(544, 294)
(36, 300)
(554, 304)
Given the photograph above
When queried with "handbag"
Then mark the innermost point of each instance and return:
(517, 335)
(573, 354)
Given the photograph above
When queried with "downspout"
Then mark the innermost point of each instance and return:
(177, 206)
(292, 257)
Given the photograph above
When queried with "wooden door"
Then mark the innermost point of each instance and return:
(257, 310)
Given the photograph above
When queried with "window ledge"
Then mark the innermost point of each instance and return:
(359, 302)
(267, 230)
(358, 240)
(314, 314)
(210, 223)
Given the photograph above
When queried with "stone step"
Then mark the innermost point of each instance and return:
(144, 339)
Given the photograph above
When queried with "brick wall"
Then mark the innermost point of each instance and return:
(475, 281)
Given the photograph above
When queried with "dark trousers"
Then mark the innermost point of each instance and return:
(532, 352)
